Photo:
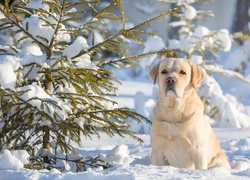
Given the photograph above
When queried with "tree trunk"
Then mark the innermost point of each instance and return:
(241, 17)
(46, 143)
(46, 129)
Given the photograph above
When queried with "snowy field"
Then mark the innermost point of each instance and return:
(130, 159)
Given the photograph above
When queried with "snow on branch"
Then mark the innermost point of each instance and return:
(215, 68)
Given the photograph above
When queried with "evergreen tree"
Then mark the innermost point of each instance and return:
(59, 85)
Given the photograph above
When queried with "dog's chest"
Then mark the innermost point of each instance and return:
(177, 145)
(177, 151)
(169, 129)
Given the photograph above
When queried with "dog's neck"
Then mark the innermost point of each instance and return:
(169, 106)
(174, 102)
(169, 102)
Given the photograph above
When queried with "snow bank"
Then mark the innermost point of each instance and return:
(9, 162)
(130, 161)
(118, 156)
(233, 113)
(22, 155)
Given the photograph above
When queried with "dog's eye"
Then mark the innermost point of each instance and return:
(164, 72)
(182, 72)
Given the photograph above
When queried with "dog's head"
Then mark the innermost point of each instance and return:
(175, 76)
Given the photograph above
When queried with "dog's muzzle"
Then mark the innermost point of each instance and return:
(171, 80)
(170, 86)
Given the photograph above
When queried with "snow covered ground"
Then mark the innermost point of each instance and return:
(130, 159)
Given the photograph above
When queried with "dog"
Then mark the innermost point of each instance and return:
(180, 136)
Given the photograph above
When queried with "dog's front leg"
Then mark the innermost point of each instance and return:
(157, 157)
(200, 159)
(157, 160)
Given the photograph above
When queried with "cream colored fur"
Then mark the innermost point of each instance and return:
(180, 135)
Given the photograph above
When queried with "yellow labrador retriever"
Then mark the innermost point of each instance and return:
(180, 135)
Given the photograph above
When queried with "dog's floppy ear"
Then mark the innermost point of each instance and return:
(154, 72)
(197, 74)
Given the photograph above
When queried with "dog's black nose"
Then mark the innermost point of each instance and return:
(171, 80)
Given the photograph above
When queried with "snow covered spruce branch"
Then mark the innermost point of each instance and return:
(80, 163)
(116, 40)
(215, 68)
(161, 53)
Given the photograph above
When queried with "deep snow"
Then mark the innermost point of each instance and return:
(130, 159)
(235, 142)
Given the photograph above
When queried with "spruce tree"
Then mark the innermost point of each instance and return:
(62, 83)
